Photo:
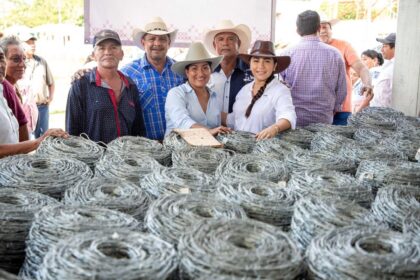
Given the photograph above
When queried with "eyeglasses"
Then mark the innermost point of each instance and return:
(18, 59)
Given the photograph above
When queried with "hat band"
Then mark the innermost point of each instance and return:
(156, 29)
(259, 52)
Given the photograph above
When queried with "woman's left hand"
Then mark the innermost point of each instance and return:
(267, 133)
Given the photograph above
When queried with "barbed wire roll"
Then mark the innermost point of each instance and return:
(177, 180)
(324, 141)
(329, 183)
(262, 200)
(46, 175)
(238, 141)
(374, 152)
(380, 117)
(17, 208)
(173, 215)
(173, 141)
(370, 135)
(55, 223)
(411, 223)
(140, 147)
(251, 167)
(275, 147)
(204, 159)
(344, 130)
(358, 252)
(300, 137)
(238, 248)
(393, 203)
(115, 194)
(4, 275)
(406, 143)
(110, 254)
(74, 146)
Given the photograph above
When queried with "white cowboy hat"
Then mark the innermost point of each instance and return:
(156, 26)
(325, 19)
(196, 53)
(241, 30)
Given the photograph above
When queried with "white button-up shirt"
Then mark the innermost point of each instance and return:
(9, 126)
(382, 87)
(220, 83)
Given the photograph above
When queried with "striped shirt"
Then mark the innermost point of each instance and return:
(317, 78)
(153, 88)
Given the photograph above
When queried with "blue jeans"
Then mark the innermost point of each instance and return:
(42, 124)
(341, 118)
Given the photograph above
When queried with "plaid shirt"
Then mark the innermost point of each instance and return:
(153, 88)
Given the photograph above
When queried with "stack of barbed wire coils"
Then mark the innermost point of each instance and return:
(262, 200)
(17, 209)
(329, 183)
(238, 248)
(251, 167)
(411, 223)
(110, 254)
(140, 147)
(173, 215)
(327, 141)
(370, 135)
(238, 141)
(344, 130)
(373, 152)
(379, 117)
(393, 203)
(275, 147)
(177, 180)
(357, 252)
(204, 159)
(4, 275)
(300, 137)
(74, 147)
(405, 143)
(47, 175)
(173, 141)
(116, 194)
(55, 223)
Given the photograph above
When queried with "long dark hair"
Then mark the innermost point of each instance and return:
(258, 95)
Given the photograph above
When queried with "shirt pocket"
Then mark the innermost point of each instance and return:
(147, 98)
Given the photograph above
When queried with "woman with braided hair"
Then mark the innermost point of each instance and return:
(264, 106)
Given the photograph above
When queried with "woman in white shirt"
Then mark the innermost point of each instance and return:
(264, 106)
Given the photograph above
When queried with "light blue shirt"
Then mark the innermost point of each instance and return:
(182, 109)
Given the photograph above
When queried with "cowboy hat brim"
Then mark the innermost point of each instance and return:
(179, 67)
(241, 30)
(282, 61)
(139, 33)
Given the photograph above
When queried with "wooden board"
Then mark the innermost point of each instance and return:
(198, 137)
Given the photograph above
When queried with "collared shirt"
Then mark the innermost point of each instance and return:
(92, 108)
(318, 80)
(382, 86)
(9, 128)
(227, 87)
(357, 96)
(183, 109)
(13, 102)
(153, 88)
(275, 104)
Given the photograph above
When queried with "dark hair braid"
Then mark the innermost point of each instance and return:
(258, 95)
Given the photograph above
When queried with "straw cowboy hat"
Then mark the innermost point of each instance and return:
(241, 30)
(266, 49)
(156, 26)
(196, 53)
(325, 19)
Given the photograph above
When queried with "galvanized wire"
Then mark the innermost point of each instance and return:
(370, 136)
(403, 142)
(411, 223)
(357, 252)
(53, 224)
(275, 147)
(238, 141)
(379, 117)
(344, 130)
(177, 180)
(300, 137)
(373, 152)
(110, 254)
(47, 175)
(17, 209)
(4, 275)
(262, 200)
(324, 141)
(251, 167)
(173, 141)
(204, 159)
(173, 215)
(244, 249)
(140, 147)
(74, 146)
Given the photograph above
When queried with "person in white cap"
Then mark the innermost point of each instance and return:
(153, 75)
(232, 74)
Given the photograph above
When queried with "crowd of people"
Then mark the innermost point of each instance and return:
(229, 89)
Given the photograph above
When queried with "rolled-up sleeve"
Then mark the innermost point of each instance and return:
(177, 115)
(284, 107)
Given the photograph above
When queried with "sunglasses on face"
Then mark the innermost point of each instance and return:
(18, 59)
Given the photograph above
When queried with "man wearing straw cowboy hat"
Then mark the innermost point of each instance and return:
(153, 75)
(232, 74)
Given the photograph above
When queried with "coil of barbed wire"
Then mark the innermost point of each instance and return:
(115, 194)
(17, 208)
(53, 223)
(173, 215)
(405, 143)
(379, 117)
(275, 147)
(204, 159)
(360, 252)
(411, 222)
(370, 135)
(300, 137)
(315, 215)
(238, 248)
(251, 167)
(140, 147)
(329, 183)
(47, 175)
(262, 200)
(177, 180)
(173, 141)
(110, 254)
(4, 275)
(74, 146)
(373, 152)
(331, 142)
(344, 130)
(238, 141)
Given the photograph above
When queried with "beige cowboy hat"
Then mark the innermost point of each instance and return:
(156, 26)
(241, 30)
(325, 19)
(196, 53)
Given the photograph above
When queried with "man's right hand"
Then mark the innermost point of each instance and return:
(220, 129)
(79, 74)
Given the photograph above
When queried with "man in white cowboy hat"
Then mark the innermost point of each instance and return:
(153, 75)
(232, 74)
(351, 60)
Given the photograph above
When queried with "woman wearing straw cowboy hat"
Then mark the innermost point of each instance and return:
(193, 104)
(263, 106)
